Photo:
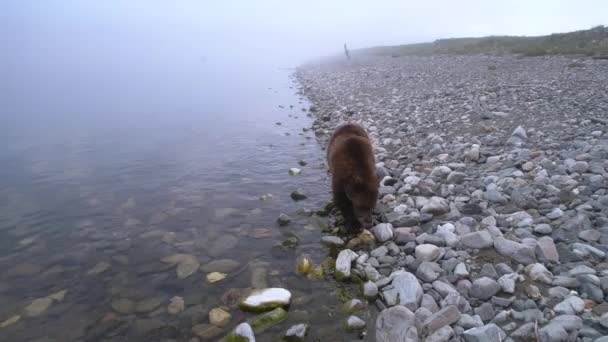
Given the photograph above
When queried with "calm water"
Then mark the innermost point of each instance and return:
(105, 172)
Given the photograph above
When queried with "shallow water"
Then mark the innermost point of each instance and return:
(97, 187)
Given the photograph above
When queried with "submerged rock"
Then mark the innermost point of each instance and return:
(242, 333)
(268, 319)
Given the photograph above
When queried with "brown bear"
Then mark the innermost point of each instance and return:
(354, 182)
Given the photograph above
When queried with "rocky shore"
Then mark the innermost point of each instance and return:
(492, 223)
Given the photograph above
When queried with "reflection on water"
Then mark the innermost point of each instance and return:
(100, 204)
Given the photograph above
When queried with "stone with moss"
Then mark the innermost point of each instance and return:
(303, 265)
(317, 273)
(242, 333)
(268, 319)
(265, 299)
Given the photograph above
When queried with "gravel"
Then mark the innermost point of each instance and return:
(493, 198)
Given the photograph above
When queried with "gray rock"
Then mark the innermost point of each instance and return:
(589, 235)
(354, 323)
(519, 252)
(343, 263)
(370, 290)
(408, 289)
(379, 252)
(429, 303)
(442, 335)
(461, 270)
(298, 195)
(484, 288)
(456, 177)
(478, 240)
(296, 333)
(436, 206)
(524, 332)
(283, 219)
(552, 333)
(468, 321)
(332, 241)
(427, 252)
(485, 311)
(538, 272)
(489, 332)
(546, 250)
(383, 232)
(396, 324)
(543, 228)
(555, 214)
(428, 271)
(446, 316)
(507, 282)
(570, 306)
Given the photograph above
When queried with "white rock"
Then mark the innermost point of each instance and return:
(266, 299)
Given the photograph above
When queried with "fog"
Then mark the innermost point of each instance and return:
(57, 53)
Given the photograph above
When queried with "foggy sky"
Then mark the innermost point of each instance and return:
(295, 30)
(118, 56)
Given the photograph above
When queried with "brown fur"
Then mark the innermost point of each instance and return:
(354, 182)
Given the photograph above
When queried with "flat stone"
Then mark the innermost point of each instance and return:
(343, 264)
(222, 245)
(38, 307)
(123, 306)
(219, 317)
(396, 324)
(489, 332)
(354, 323)
(206, 331)
(408, 289)
(517, 251)
(446, 316)
(546, 250)
(383, 232)
(427, 252)
(10, 321)
(332, 241)
(484, 288)
(214, 277)
(538, 272)
(477, 240)
(176, 305)
(296, 333)
(99, 268)
(265, 299)
(148, 304)
(570, 306)
(436, 206)
(507, 282)
(266, 320)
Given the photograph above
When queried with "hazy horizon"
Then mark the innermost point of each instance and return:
(116, 54)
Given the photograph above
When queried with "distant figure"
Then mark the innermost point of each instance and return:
(346, 52)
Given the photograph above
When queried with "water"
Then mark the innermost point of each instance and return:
(108, 169)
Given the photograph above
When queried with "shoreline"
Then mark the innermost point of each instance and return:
(494, 196)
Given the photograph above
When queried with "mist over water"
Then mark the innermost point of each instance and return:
(134, 130)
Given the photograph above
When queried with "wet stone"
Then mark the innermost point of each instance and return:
(296, 333)
(265, 299)
(149, 304)
(354, 323)
(123, 306)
